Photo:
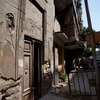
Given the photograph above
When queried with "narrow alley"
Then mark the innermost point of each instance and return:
(39, 40)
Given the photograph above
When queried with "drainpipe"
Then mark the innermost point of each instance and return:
(19, 29)
(45, 34)
(93, 48)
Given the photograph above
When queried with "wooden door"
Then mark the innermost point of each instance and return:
(28, 78)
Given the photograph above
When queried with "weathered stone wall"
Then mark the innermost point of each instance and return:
(47, 82)
(15, 22)
(10, 89)
(10, 86)
(33, 21)
(7, 40)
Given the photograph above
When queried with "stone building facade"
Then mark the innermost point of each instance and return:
(32, 46)
(26, 42)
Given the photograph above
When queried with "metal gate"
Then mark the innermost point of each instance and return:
(82, 82)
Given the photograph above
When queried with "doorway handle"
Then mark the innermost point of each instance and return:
(26, 71)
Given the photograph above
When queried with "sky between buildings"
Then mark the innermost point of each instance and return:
(94, 8)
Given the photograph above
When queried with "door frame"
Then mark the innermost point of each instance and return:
(33, 41)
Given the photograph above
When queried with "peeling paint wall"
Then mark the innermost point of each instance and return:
(7, 61)
(10, 86)
(8, 38)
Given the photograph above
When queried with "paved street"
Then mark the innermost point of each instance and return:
(52, 97)
(57, 92)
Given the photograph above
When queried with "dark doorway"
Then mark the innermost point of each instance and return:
(37, 70)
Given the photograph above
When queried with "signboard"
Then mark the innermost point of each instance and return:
(96, 37)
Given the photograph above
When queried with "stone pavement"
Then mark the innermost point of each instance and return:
(61, 92)
(56, 93)
(52, 97)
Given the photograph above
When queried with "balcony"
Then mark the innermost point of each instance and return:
(60, 5)
(66, 15)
